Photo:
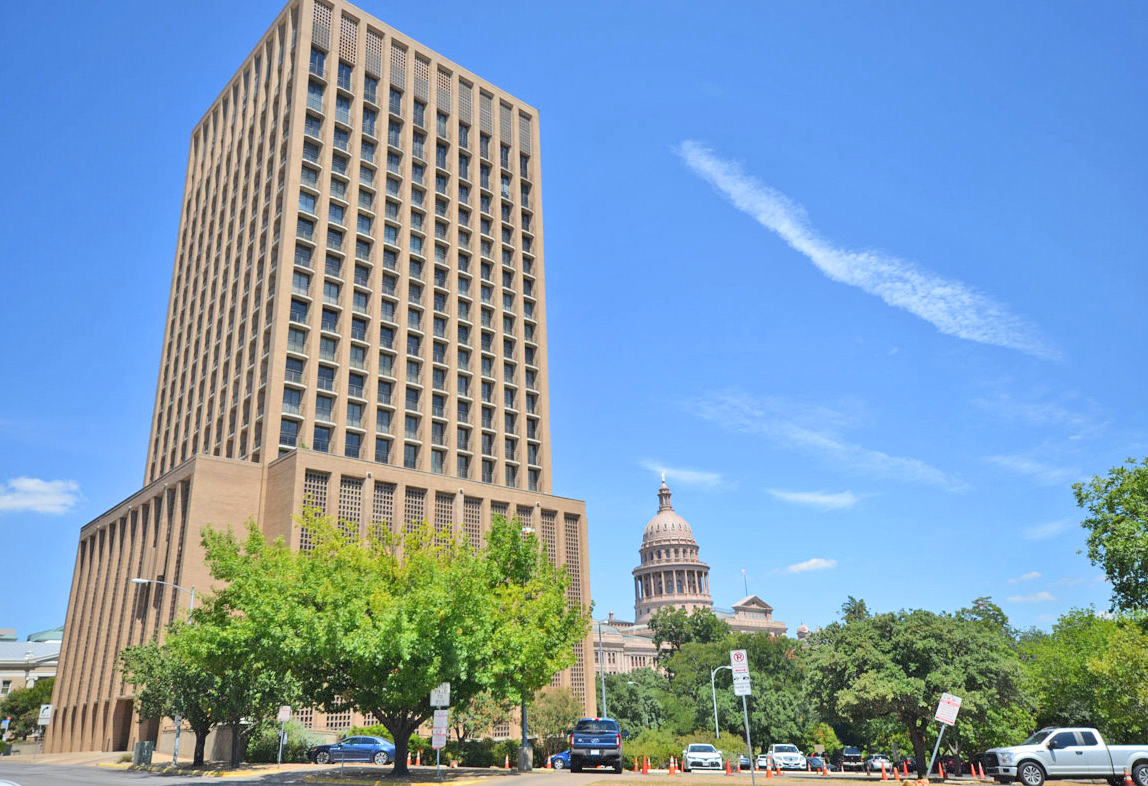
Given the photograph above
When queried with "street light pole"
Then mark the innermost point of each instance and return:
(713, 690)
(190, 608)
(602, 670)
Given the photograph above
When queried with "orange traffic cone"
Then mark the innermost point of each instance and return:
(1127, 778)
(636, 767)
(419, 759)
(884, 775)
(506, 762)
(548, 763)
(981, 767)
(728, 771)
(645, 765)
(408, 758)
(941, 770)
(825, 770)
(768, 773)
(905, 768)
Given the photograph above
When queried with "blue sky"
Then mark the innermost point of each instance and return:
(866, 280)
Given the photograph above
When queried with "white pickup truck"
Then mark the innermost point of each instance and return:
(1067, 753)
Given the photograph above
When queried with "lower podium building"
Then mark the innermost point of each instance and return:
(357, 318)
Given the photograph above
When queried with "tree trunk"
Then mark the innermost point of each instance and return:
(236, 744)
(920, 750)
(401, 728)
(200, 745)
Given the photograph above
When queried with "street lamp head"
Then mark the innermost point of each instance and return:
(141, 581)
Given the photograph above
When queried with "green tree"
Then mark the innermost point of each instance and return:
(376, 625)
(552, 714)
(705, 627)
(821, 733)
(1117, 527)
(477, 715)
(1121, 670)
(638, 699)
(670, 625)
(854, 609)
(23, 706)
(900, 663)
(984, 611)
(169, 683)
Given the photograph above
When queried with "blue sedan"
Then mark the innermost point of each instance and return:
(561, 761)
(376, 749)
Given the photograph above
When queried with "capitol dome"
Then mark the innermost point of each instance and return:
(666, 524)
(671, 572)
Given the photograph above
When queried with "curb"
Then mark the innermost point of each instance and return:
(365, 782)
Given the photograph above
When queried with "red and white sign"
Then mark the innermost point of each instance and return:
(948, 708)
(439, 732)
(284, 713)
(738, 662)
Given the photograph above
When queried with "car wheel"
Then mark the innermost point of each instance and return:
(381, 758)
(1030, 774)
(558, 764)
(1140, 774)
(322, 757)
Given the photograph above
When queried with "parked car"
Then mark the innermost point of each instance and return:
(1067, 753)
(701, 756)
(849, 759)
(742, 761)
(561, 761)
(818, 763)
(874, 762)
(762, 761)
(786, 756)
(596, 742)
(376, 749)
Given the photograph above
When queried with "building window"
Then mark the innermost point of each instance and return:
(382, 450)
(288, 435)
(322, 439)
(318, 61)
(420, 114)
(354, 445)
(411, 456)
(344, 76)
(371, 89)
(315, 96)
(396, 102)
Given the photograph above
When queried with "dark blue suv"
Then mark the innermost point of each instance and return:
(596, 742)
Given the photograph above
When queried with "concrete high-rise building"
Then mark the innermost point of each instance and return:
(357, 317)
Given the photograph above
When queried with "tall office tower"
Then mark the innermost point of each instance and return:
(357, 318)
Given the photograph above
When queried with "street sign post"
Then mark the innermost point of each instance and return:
(284, 716)
(946, 715)
(739, 665)
(438, 737)
(440, 696)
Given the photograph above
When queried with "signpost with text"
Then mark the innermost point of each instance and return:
(439, 697)
(946, 715)
(739, 665)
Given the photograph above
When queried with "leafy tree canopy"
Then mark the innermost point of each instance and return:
(1117, 525)
(23, 706)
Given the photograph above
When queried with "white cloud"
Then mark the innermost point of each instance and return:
(692, 477)
(817, 499)
(1042, 472)
(1036, 597)
(817, 563)
(1026, 577)
(1044, 413)
(1049, 529)
(952, 307)
(1068, 582)
(38, 496)
(785, 424)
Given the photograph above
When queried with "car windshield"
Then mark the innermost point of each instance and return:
(702, 749)
(785, 749)
(851, 752)
(597, 726)
(1037, 738)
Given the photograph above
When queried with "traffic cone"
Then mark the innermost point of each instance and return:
(941, 770)
(884, 775)
(548, 758)
(645, 765)
(768, 773)
(1127, 778)
(419, 759)
(981, 767)
(408, 758)
(637, 768)
(673, 766)
(905, 768)
(825, 770)
(506, 762)
(728, 771)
